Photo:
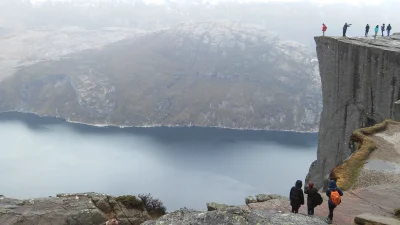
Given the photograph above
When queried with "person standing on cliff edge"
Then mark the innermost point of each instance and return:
(383, 29)
(376, 31)
(324, 27)
(345, 29)
(366, 30)
(296, 196)
(334, 194)
(389, 28)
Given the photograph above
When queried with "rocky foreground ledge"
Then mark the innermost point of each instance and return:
(71, 209)
(96, 209)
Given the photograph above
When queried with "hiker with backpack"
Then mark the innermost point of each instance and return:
(334, 194)
(314, 199)
(296, 196)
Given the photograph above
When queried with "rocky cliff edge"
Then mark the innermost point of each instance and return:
(360, 83)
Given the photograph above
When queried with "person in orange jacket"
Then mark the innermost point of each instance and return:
(324, 28)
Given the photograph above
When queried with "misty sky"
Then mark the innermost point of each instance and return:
(320, 2)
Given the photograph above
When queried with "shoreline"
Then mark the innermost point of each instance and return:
(150, 126)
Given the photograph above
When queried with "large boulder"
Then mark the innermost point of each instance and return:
(250, 199)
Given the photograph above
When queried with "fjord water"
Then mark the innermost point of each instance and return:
(184, 167)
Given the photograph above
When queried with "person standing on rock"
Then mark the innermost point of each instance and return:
(296, 196)
(383, 29)
(324, 28)
(389, 28)
(313, 198)
(334, 194)
(345, 29)
(376, 31)
(366, 30)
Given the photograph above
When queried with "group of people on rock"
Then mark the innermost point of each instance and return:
(384, 28)
(314, 199)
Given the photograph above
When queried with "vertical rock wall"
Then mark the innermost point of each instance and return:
(360, 83)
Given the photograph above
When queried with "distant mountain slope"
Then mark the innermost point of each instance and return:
(206, 74)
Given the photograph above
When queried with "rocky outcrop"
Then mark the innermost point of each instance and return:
(360, 83)
(367, 218)
(73, 209)
(223, 214)
(222, 74)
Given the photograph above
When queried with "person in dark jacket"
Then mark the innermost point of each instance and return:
(296, 196)
(389, 28)
(383, 29)
(312, 195)
(331, 205)
(366, 30)
(345, 29)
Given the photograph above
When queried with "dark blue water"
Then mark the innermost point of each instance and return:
(184, 167)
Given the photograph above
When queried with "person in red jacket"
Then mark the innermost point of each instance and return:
(324, 27)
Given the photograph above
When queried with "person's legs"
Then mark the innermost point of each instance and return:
(331, 208)
(296, 210)
(312, 211)
(323, 33)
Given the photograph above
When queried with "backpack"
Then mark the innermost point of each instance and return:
(335, 198)
(318, 199)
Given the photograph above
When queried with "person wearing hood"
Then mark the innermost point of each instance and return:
(389, 28)
(296, 196)
(313, 198)
(345, 29)
(334, 194)
(383, 29)
(366, 30)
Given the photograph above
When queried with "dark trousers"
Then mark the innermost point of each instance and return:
(382, 33)
(331, 208)
(366, 33)
(388, 31)
(344, 33)
(310, 210)
(295, 209)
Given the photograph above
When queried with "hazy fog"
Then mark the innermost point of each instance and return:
(297, 20)
(183, 167)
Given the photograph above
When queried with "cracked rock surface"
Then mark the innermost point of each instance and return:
(71, 209)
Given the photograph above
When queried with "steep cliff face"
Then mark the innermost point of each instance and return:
(360, 82)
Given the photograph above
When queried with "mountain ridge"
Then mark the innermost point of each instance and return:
(229, 74)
